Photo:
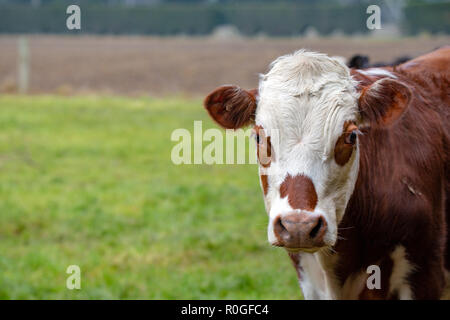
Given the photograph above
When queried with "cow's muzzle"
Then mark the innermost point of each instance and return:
(300, 231)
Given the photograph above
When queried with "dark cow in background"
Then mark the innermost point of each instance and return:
(359, 177)
(359, 61)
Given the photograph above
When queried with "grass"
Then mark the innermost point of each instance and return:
(89, 181)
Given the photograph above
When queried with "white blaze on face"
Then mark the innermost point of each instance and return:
(308, 99)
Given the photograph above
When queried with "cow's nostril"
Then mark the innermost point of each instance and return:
(279, 229)
(317, 227)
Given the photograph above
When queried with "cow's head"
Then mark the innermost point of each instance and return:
(306, 114)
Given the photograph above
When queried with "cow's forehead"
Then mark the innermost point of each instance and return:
(306, 93)
(276, 109)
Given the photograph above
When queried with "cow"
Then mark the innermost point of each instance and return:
(359, 61)
(359, 178)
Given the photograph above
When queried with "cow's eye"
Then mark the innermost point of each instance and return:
(257, 138)
(351, 138)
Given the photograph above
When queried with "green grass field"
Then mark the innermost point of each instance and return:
(89, 181)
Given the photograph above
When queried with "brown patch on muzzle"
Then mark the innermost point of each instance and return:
(300, 192)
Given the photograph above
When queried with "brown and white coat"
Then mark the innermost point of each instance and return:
(354, 167)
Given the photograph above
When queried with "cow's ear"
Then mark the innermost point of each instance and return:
(383, 102)
(232, 107)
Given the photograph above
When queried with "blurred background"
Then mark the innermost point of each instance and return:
(168, 47)
(86, 118)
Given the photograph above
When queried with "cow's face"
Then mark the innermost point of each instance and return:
(308, 119)
(306, 115)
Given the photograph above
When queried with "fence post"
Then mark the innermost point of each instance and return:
(24, 65)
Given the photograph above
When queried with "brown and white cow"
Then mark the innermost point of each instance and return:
(360, 173)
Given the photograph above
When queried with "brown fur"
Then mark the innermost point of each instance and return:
(231, 107)
(295, 259)
(402, 193)
(386, 266)
(383, 102)
(264, 183)
(342, 150)
(300, 192)
(403, 184)
(264, 148)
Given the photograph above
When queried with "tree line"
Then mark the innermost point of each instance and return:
(273, 18)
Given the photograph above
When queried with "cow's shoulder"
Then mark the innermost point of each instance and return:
(437, 61)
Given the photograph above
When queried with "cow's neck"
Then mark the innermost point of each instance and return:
(337, 273)
(341, 273)
(362, 241)
(316, 275)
